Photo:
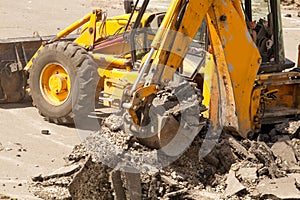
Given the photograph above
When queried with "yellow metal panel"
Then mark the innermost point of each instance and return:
(254, 109)
(242, 58)
(115, 81)
(208, 72)
(87, 38)
(223, 84)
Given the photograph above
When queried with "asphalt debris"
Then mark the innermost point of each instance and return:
(236, 168)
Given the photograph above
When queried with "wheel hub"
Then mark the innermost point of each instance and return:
(57, 83)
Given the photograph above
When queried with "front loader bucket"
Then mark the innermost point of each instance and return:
(14, 55)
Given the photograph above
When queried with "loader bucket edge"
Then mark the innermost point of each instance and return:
(21, 50)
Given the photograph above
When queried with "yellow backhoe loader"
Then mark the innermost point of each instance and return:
(244, 82)
(47, 66)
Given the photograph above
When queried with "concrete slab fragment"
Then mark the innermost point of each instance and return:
(247, 173)
(63, 171)
(284, 151)
(283, 188)
(233, 185)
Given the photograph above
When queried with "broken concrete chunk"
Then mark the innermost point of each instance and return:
(283, 188)
(288, 128)
(118, 185)
(247, 173)
(176, 193)
(285, 152)
(203, 195)
(64, 171)
(296, 177)
(296, 146)
(168, 180)
(233, 185)
(237, 147)
(262, 152)
(134, 186)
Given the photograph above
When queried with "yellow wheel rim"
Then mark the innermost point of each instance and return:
(55, 84)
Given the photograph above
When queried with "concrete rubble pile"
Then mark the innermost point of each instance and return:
(265, 168)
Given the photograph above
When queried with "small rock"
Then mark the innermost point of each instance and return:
(233, 185)
(45, 132)
(18, 155)
(263, 171)
(173, 175)
(38, 178)
(169, 180)
(298, 14)
(272, 133)
(263, 137)
(20, 184)
(36, 166)
(288, 15)
(8, 149)
(283, 188)
(1, 147)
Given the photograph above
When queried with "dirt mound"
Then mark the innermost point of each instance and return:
(235, 168)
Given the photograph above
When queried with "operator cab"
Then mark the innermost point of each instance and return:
(263, 18)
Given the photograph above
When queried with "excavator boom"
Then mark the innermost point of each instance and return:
(235, 54)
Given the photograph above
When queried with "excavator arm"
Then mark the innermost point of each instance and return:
(235, 54)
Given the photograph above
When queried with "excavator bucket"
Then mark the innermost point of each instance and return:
(14, 55)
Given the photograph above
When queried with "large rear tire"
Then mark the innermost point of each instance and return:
(51, 80)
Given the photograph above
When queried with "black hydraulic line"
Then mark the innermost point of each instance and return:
(134, 29)
(274, 10)
(129, 20)
(181, 14)
(248, 9)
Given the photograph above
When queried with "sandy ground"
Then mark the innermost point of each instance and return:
(26, 151)
(23, 17)
(291, 32)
